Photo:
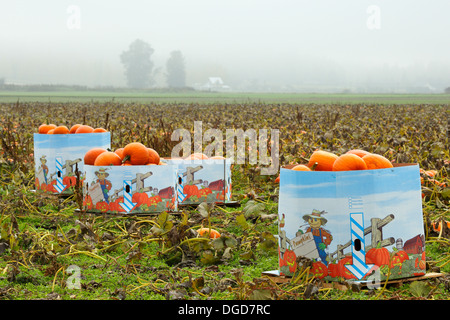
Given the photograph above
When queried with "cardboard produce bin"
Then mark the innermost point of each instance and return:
(206, 180)
(56, 157)
(360, 225)
(144, 189)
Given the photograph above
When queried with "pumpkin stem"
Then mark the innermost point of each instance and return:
(313, 168)
(126, 158)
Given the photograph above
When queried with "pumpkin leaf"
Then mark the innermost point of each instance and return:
(268, 241)
(242, 222)
(419, 289)
(253, 209)
(260, 294)
(205, 209)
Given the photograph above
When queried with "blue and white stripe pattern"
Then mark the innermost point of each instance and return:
(180, 184)
(358, 267)
(127, 203)
(59, 175)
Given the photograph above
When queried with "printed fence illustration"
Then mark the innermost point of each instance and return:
(215, 191)
(96, 192)
(139, 181)
(68, 166)
(376, 231)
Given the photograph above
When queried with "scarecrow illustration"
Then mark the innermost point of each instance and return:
(322, 237)
(104, 183)
(44, 167)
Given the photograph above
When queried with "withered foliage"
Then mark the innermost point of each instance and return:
(132, 257)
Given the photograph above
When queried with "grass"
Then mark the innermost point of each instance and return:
(202, 97)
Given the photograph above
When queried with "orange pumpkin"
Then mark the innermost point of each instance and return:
(359, 152)
(61, 130)
(301, 167)
(136, 152)
(92, 154)
(322, 160)
(108, 158)
(349, 161)
(45, 128)
(376, 161)
(211, 233)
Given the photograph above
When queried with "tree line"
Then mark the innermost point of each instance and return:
(139, 66)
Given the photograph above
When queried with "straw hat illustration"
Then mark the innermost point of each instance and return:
(101, 171)
(316, 214)
(43, 158)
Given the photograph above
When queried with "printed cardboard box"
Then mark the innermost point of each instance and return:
(205, 180)
(354, 225)
(130, 189)
(56, 157)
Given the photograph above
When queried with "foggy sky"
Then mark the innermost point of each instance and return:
(264, 44)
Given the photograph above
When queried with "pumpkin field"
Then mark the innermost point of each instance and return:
(52, 249)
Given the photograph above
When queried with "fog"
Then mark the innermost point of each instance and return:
(253, 45)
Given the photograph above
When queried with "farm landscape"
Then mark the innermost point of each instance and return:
(51, 248)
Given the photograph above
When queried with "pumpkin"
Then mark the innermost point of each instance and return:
(402, 254)
(221, 195)
(211, 233)
(51, 186)
(343, 271)
(136, 153)
(204, 192)
(102, 206)
(154, 200)
(322, 160)
(87, 202)
(319, 269)
(139, 198)
(70, 181)
(290, 260)
(395, 261)
(190, 190)
(376, 161)
(421, 263)
(281, 261)
(301, 167)
(277, 179)
(378, 256)
(349, 161)
(358, 152)
(333, 270)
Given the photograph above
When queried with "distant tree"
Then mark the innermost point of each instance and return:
(176, 74)
(447, 90)
(138, 64)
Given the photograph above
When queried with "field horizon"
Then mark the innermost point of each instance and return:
(204, 97)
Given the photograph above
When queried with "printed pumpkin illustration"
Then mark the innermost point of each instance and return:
(333, 270)
(378, 256)
(290, 260)
(87, 202)
(190, 190)
(319, 269)
(204, 192)
(139, 198)
(103, 206)
(343, 271)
